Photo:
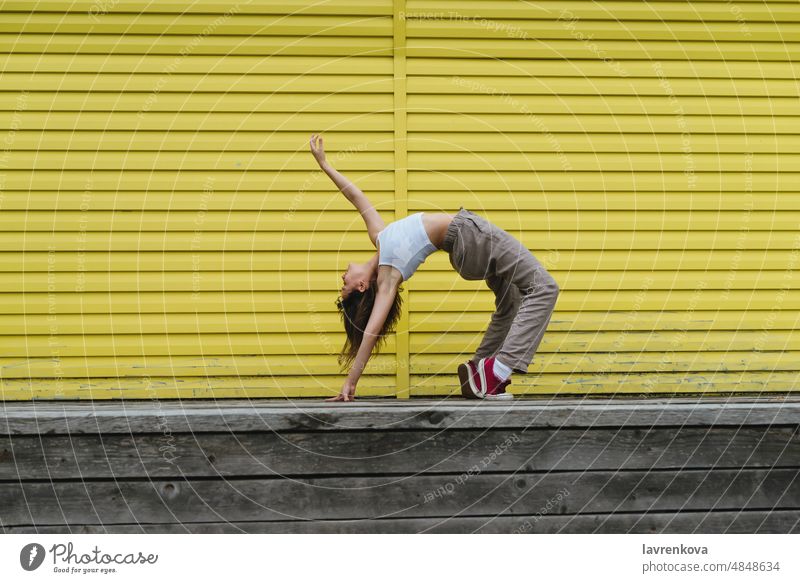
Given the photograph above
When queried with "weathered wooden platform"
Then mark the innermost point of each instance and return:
(710, 465)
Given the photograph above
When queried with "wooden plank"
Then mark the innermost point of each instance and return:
(37, 418)
(712, 522)
(215, 455)
(178, 501)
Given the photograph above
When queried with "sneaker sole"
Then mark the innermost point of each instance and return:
(500, 397)
(467, 389)
(482, 375)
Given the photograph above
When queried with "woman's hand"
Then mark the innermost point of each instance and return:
(348, 392)
(317, 149)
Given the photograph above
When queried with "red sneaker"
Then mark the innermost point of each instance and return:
(490, 386)
(470, 380)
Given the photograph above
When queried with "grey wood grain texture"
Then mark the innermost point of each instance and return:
(86, 456)
(379, 497)
(706, 464)
(36, 418)
(749, 522)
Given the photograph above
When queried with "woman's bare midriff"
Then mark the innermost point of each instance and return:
(436, 226)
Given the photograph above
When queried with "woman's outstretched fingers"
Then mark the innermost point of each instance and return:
(342, 397)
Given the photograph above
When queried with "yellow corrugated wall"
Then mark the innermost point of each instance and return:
(166, 234)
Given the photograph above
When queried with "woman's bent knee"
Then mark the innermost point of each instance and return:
(544, 286)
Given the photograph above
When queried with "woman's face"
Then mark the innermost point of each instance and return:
(353, 279)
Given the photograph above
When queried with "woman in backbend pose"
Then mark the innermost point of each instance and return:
(525, 293)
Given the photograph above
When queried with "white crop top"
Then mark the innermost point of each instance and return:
(405, 244)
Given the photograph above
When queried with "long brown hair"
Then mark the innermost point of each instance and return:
(355, 312)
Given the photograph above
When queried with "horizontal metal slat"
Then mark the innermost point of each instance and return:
(610, 50)
(329, 65)
(202, 6)
(543, 237)
(140, 120)
(624, 384)
(154, 280)
(715, 10)
(228, 23)
(292, 262)
(330, 322)
(276, 221)
(698, 69)
(649, 341)
(320, 83)
(175, 45)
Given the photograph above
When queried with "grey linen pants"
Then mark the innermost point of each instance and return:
(525, 293)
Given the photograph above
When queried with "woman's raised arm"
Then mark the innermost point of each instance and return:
(372, 219)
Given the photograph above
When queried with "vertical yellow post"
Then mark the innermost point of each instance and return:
(401, 182)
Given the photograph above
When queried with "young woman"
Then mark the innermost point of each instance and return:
(525, 293)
